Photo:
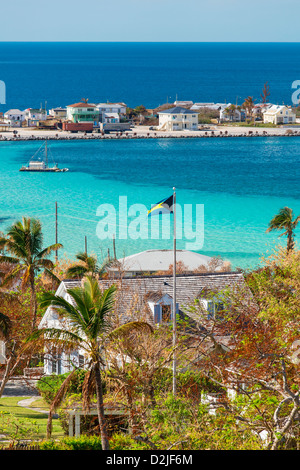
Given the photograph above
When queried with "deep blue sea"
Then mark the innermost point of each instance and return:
(146, 73)
(240, 182)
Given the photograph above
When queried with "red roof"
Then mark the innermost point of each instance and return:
(81, 105)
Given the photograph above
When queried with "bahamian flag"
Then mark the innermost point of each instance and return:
(163, 207)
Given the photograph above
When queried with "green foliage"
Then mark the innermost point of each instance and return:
(48, 386)
(14, 427)
(126, 442)
(73, 443)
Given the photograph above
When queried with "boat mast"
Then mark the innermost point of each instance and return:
(46, 153)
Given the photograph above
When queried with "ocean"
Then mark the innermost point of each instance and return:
(145, 73)
(240, 183)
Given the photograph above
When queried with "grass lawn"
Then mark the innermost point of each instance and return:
(12, 415)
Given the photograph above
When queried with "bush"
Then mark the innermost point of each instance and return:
(49, 386)
(73, 443)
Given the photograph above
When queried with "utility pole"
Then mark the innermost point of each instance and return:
(56, 232)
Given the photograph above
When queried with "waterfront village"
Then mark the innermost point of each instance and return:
(181, 118)
(130, 353)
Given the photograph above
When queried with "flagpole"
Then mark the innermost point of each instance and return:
(174, 292)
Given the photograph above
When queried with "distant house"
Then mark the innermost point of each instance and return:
(177, 119)
(150, 297)
(277, 114)
(83, 112)
(58, 113)
(14, 117)
(232, 113)
(110, 118)
(183, 104)
(33, 116)
(153, 261)
(4, 126)
(114, 111)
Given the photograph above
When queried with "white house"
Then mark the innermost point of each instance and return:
(59, 113)
(111, 112)
(152, 261)
(177, 119)
(151, 296)
(33, 116)
(14, 117)
(277, 114)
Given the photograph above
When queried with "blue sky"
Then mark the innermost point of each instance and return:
(151, 20)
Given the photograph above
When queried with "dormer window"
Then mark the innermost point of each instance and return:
(215, 309)
(161, 307)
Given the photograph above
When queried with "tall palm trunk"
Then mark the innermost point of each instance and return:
(100, 407)
(33, 303)
(290, 241)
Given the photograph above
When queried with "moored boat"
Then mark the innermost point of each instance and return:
(40, 164)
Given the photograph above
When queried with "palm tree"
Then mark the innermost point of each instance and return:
(87, 266)
(284, 220)
(23, 248)
(248, 105)
(89, 327)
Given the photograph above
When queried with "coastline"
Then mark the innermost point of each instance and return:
(143, 132)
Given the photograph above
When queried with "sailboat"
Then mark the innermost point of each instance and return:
(37, 163)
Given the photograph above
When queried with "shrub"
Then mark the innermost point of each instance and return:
(49, 386)
(73, 443)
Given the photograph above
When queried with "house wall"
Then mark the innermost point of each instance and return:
(173, 122)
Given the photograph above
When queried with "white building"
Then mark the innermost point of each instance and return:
(33, 116)
(177, 119)
(14, 117)
(152, 295)
(111, 112)
(59, 113)
(277, 114)
(152, 261)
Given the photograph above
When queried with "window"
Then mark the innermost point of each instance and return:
(166, 313)
(214, 309)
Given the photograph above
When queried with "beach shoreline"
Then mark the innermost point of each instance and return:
(144, 132)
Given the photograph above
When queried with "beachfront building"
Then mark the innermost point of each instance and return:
(231, 112)
(178, 119)
(277, 114)
(83, 112)
(58, 113)
(14, 117)
(4, 126)
(111, 112)
(33, 116)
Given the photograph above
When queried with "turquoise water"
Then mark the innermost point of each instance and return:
(241, 182)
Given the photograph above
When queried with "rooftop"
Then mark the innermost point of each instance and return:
(177, 110)
(160, 260)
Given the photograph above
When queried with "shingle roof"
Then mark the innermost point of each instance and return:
(188, 286)
(177, 110)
